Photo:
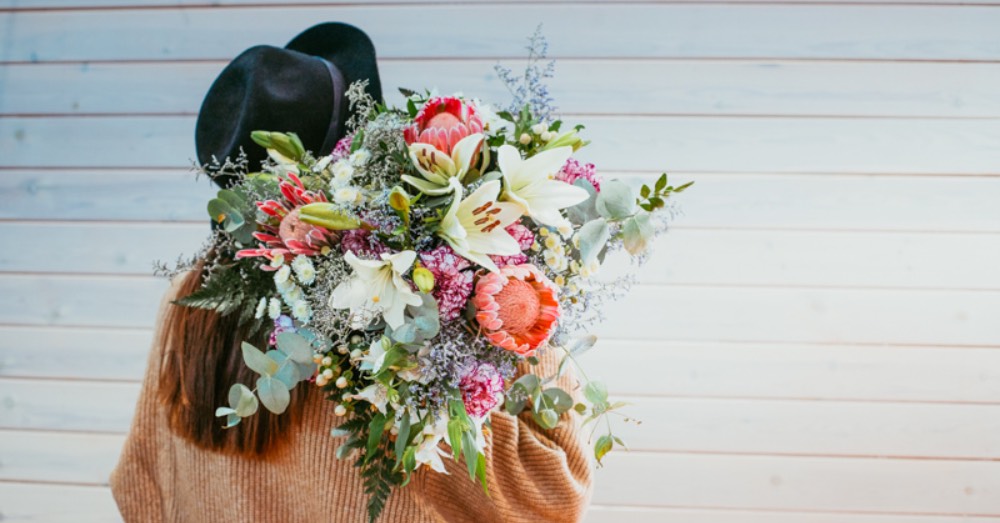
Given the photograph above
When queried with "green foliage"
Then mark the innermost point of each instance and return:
(616, 201)
(653, 198)
(376, 464)
(594, 237)
(326, 215)
(421, 322)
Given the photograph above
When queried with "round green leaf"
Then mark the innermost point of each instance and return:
(273, 394)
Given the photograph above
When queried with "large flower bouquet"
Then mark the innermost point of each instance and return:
(411, 271)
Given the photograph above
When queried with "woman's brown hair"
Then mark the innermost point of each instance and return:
(202, 359)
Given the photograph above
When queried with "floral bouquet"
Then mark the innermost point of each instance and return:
(411, 271)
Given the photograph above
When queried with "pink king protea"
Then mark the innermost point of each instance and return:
(443, 122)
(283, 232)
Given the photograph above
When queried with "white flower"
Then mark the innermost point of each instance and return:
(491, 121)
(282, 275)
(377, 285)
(291, 294)
(278, 260)
(323, 163)
(551, 241)
(274, 308)
(555, 260)
(539, 128)
(261, 307)
(373, 360)
(439, 170)
(429, 451)
(529, 183)
(376, 394)
(360, 157)
(302, 311)
(343, 172)
(347, 195)
(475, 226)
(304, 269)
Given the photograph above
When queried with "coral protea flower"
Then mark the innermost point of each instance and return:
(482, 389)
(443, 122)
(284, 232)
(517, 308)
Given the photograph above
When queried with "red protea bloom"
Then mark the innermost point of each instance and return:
(517, 308)
(283, 232)
(442, 122)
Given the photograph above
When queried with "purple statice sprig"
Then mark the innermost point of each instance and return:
(529, 89)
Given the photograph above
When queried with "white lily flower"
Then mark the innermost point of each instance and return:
(373, 360)
(475, 226)
(377, 285)
(438, 168)
(529, 183)
(429, 452)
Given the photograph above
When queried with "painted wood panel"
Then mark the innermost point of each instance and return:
(719, 87)
(770, 257)
(653, 30)
(830, 145)
(669, 369)
(688, 313)
(700, 426)
(727, 201)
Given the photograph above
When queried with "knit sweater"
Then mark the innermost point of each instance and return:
(533, 474)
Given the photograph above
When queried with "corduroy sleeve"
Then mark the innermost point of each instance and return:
(533, 474)
(135, 480)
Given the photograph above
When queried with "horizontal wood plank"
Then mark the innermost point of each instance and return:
(917, 487)
(625, 86)
(27, 5)
(35, 503)
(617, 514)
(732, 370)
(25, 503)
(59, 457)
(684, 256)
(678, 425)
(650, 144)
(731, 201)
(683, 313)
(399, 31)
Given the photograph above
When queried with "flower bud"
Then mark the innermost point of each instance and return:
(340, 410)
(341, 382)
(327, 361)
(424, 279)
(546, 136)
(399, 200)
(539, 128)
(328, 373)
(568, 138)
(525, 139)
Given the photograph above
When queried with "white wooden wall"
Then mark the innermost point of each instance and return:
(818, 340)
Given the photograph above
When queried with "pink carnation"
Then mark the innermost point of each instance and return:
(452, 282)
(362, 243)
(574, 170)
(482, 389)
(343, 147)
(525, 238)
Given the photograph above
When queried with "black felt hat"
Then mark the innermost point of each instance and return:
(299, 88)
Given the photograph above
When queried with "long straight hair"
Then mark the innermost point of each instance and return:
(202, 360)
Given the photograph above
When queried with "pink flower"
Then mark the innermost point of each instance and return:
(573, 171)
(482, 389)
(362, 243)
(525, 238)
(517, 308)
(343, 147)
(442, 122)
(452, 282)
(283, 232)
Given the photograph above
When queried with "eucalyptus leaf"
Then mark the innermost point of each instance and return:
(594, 237)
(232, 198)
(586, 210)
(547, 418)
(257, 361)
(273, 394)
(232, 420)
(287, 373)
(219, 209)
(582, 344)
(616, 200)
(295, 347)
(596, 392)
(559, 399)
(637, 232)
(242, 401)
